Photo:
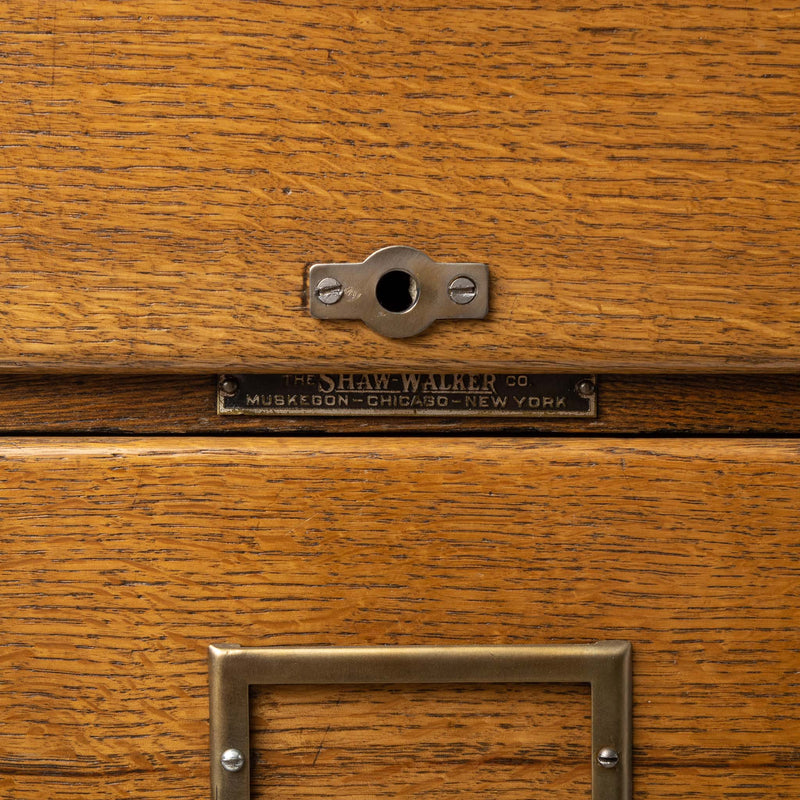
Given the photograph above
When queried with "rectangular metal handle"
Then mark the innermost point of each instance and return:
(604, 665)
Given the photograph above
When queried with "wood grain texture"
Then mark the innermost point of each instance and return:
(630, 404)
(360, 742)
(629, 172)
(124, 558)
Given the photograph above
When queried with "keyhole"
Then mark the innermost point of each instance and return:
(396, 291)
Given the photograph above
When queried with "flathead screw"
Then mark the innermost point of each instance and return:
(585, 388)
(329, 291)
(608, 758)
(462, 290)
(232, 759)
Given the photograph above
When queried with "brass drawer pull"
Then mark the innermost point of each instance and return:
(604, 665)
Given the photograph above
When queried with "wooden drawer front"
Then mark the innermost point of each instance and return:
(629, 174)
(468, 741)
(124, 559)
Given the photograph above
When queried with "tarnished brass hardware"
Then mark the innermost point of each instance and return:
(399, 394)
(398, 291)
(604, 665)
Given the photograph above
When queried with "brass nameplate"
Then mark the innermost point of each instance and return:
(395, 394)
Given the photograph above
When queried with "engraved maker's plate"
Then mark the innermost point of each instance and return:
(396, 394)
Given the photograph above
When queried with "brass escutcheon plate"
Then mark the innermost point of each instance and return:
(606, 666)
(419, 291)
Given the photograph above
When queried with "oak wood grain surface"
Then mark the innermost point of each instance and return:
(629, 404)
(508, 741)
(629, 172)
(124, 558)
